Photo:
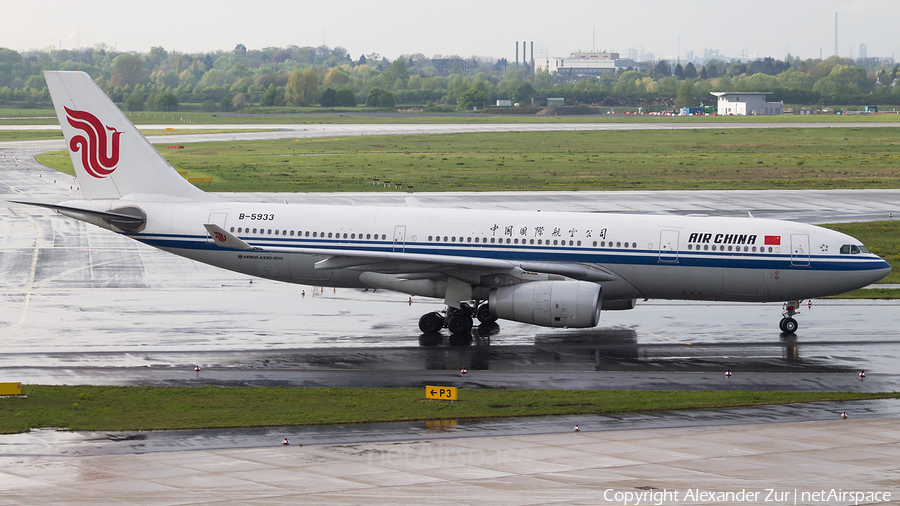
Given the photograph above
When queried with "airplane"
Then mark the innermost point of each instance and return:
(553, 269)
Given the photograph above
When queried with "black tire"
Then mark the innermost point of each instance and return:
(459, 324)
(790, 325)
(431, 323)
(781, 324)
(483, 313)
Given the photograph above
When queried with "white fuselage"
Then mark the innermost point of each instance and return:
(642, 256)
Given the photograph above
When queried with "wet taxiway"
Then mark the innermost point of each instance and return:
(83, 305)
(49, 441)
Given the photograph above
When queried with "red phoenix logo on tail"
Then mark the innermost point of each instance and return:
(99, 155)
(219, 236)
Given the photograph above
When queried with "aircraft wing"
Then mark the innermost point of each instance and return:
(395, 262)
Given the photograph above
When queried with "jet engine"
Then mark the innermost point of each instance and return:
(549, 303)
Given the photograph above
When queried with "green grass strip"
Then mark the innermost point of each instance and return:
(156, 408)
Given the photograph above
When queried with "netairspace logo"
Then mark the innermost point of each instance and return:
(665, 496)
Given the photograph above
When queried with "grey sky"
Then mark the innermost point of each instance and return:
(465, 27)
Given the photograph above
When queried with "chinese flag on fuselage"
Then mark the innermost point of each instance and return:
(773, 240)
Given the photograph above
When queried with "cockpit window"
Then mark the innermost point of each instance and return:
(852, 249)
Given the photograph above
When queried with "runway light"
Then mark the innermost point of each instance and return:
(576, 429)
(286, 442)
(728, 373)
(197, 368)
(844, 414)
(862, 374)
(463, 371)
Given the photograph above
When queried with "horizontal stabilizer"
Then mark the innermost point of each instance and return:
(128, 219)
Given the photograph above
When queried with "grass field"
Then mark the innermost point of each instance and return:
(317, 115)
(146, 408)
(620, 160)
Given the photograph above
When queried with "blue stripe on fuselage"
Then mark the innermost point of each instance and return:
(559, 254)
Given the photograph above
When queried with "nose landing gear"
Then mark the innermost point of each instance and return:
(788, 324)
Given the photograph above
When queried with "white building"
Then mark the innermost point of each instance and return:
(579, 64)
(747, 103)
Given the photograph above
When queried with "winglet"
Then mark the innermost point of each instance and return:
(225, 239)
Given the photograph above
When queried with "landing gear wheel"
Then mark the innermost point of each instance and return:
(459, 323)
(483, 313)
(789, 325)
(431, 323)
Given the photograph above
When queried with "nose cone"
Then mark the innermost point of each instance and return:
(881, 270)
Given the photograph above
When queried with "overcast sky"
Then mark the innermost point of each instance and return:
(464, 27)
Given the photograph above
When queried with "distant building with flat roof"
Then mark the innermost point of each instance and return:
(579, 64)
(747, 103)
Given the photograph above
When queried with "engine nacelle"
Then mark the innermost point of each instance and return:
(549, 303)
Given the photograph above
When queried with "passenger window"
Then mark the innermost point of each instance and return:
(383, 237)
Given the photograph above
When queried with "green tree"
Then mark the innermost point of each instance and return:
(679, 71)
(129, 71)
(156, 56)
(135, 101)
(328, 98)
(542, 79)
(684, 97)
(167, 101)
(523, 93)
(473, 97)
(397, 71)
(690, 72)
(271, 97)
(345, 98)
(302, 88)
(379, 98)
(334, 77)
(661, 69)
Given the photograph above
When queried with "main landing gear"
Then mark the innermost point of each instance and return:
(457, 321)
(788, 324)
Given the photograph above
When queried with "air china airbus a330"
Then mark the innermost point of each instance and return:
(550, 269)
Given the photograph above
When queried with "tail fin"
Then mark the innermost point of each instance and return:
(111, 157)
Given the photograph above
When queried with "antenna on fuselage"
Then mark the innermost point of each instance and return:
(749, 214)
